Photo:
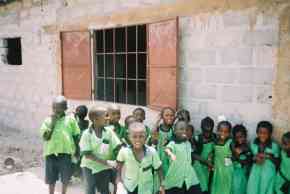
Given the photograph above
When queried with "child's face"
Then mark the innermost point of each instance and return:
(189, 132)
(240, 138)
(115, 116)
(137, 139)
(99, 121)
(129, 121)
(58, 108)
(223, 132)
(207, 132)
(180, 132)
(263, 134)
(139, 115)
(168, 117)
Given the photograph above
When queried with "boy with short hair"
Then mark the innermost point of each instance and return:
(59, 133)
(137, 163)
(140, 115)
(114, 113)
(98, 146)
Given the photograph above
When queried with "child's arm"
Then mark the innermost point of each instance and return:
(90, 156)
(48, 128)
(119, 172)
(170, 154)
(201, 160)
(161, 178)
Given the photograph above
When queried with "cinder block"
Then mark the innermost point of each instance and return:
(263, 94)
(190, 75)
(200, 91)
(221, 75)
(237, 56)
(265, 56)
(262, 38)
(262, 76)
(202, 57)
(234, 18)
(242, 94)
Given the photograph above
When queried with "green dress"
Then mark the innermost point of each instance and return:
(240, 174)
(262, 176)
(283, 175)
(163, 138)
(223, 169)
(202, 171)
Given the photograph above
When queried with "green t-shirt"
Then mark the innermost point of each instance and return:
(119, 130)
(139, 173)
(181, 170)
(102, 148)
(61, 141)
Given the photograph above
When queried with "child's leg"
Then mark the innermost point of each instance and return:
(90, 181)
(103, 179)
(51, 172)
(51, 188)
(65, 169)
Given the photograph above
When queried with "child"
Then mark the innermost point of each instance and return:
(128, 120)
(241, 158)
(282, 182)
(223, 166)
(183, 115)
(137, 163)
(266, 154)
(164, 134)
(98, 146)
(205, 143)
(80, 115)
(60, 134)
(140, 115)
(114, 114)
(181, 176)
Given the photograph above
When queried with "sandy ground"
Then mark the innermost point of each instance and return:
(27, 177)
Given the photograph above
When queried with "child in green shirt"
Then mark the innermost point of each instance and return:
(205, 143)
(282, 182)
(242, 159)
(140, 115)
(223, 165)
(137, 162)
(98, 147)
(266, 158)
(162, 134)
(181, 176)
(114, 114)
(60, 134)
(128, 120)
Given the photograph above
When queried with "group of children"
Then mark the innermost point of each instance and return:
(169, 158)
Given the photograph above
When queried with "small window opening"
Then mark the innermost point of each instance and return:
(11, 53)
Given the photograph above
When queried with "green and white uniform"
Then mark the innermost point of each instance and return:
(180, 171)
(223, 169)
(283, 175)
(262, 176)
(139, 174)
(202, 171)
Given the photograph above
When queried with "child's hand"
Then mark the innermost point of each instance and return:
(238, 151)
(162, 190)
(172, 157)
(53, 121)
(260, 157)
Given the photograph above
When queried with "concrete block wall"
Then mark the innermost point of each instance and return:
(227, 66)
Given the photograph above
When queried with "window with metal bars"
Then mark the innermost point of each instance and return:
(120, 65)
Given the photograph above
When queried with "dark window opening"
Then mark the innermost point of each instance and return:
(121, 64)
(14, 54)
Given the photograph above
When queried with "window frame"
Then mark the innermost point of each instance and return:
(126, 79)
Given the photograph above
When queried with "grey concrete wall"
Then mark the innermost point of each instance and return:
(227, 65)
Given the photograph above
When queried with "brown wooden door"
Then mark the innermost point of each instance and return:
(163, 59)
(76, 65)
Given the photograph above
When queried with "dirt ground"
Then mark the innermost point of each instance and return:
(27, 177)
